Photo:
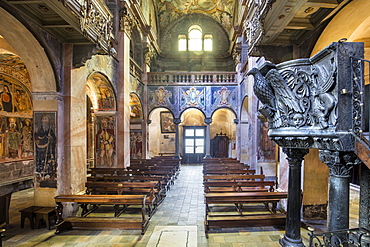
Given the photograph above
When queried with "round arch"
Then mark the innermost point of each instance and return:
(192, 116)
(352, 22)
(32, 53)
(101, 92)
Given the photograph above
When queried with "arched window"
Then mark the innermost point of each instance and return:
(195, 41)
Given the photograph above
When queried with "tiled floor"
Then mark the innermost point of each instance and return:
(183, 206)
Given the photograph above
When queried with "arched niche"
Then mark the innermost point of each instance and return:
(101, 122)
(223, 126)
(192, 117)
(161, 132)
(136, 108)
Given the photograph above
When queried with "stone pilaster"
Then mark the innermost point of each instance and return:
(208, 121)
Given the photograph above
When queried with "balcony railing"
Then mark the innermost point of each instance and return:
(359, 237)
(168, 78)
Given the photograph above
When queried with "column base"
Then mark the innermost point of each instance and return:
(207, 156)
(288, 242)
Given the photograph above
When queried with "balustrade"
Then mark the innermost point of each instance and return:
(161, 78)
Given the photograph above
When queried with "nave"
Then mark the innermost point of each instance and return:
(183, 206)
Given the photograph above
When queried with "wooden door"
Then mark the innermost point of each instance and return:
(194, 144)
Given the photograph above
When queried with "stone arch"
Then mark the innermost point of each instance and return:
(101, 92)
(352, 23)
(30, 50)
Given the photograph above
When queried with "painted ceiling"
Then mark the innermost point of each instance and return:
(220, 10)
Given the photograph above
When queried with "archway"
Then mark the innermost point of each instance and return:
(223, 134)
(162, 133)
(192, 136)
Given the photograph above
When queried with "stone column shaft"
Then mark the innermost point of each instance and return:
(340, 165)
(292, 236)
(208, 121)
(177, 121)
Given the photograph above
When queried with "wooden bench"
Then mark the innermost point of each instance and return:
(151, 189)
(228, 172)
(138, 178)
(233, 177)
(115, 222)
(238, 186)
(238, 218)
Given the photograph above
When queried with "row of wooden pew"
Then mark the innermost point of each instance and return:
(126, 197)
(236, 197)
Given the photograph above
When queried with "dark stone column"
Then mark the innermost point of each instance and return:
(177, 121)
(208, 121)
(292, 236)
(364, 214)
(340, 165)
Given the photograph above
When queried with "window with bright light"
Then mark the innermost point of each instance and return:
(208, 42)
(182, 43)
(195, 38)
(195, 41)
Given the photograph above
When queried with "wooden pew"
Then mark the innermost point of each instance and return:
(132, 178)
(151, 189)
(228, 172)
(238, 186)
(233, 177)
(226, 165)
(220, 160)
(115, 222)
(238, 218)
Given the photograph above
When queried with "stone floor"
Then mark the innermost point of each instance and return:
(183, 207)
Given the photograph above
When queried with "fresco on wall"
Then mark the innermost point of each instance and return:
(105, 141)
(136, 87)
(192, 98)
(14, 98)
(167, 124)
(136, 144)
(16, 119)
(218, 9)
(100, 86)
(266, 147)
(160, 97)
(136, 110)
(45, 144)
(224, 97)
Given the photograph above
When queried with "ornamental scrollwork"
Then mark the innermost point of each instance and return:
(96, 24)
(298, 96)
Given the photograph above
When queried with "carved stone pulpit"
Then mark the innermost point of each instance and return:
(314, 103)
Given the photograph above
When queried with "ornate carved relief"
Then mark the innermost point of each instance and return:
(96, 24)
(301, 95)
(127, 21)
(339, 163)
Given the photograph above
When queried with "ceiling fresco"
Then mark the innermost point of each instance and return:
(220, 10)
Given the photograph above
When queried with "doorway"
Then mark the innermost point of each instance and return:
(194, 144)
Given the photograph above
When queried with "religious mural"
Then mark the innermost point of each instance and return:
(16, 119)
(100, 86)
(192, 97)
(105, 141)
(220, 10)
(45, 144)
(167, 124)
(136, 110)
(136, 144)
(160, 97)
(224, 97)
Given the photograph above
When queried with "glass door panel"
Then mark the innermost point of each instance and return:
(194, 144)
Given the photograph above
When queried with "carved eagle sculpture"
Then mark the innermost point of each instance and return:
(277, 97)
(262, 89)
